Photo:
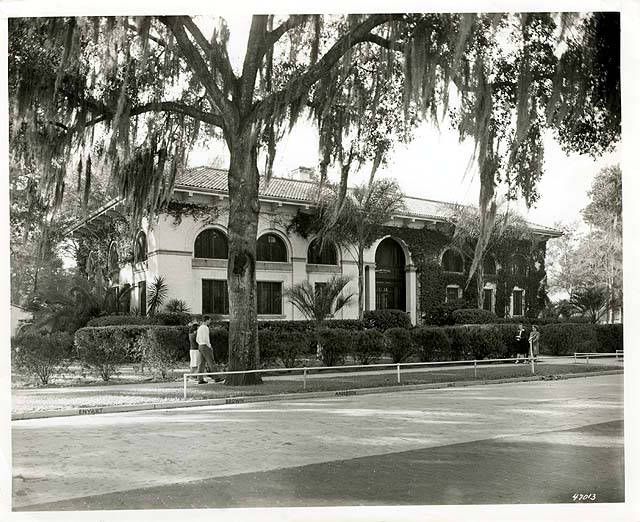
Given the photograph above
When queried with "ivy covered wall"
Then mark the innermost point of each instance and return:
(426, 246)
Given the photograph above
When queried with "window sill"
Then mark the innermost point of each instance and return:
(271, 316)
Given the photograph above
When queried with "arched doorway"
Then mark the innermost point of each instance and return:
(390, 276)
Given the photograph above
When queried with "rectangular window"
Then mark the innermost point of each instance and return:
(269, 298)
(517, 302)
(488, 299)
(452, 293)
(215, 297)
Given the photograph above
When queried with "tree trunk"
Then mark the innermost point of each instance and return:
(360, 282)
(244, 208)
(480, 285)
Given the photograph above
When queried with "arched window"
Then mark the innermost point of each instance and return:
(452, 261)
(489, 265)
(140, 248)
(113, 261)
(327, 255)
(518, 266)
(211, 244)
(271, 248)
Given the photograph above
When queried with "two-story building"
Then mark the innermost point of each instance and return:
(411, 267)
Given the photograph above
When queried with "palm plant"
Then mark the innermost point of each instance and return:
(590, 302)
(158, 291)
(177, 306)
(321, 302)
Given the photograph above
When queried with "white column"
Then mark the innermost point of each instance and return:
(411, 292)
(372, 286)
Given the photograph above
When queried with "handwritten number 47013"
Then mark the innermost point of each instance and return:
(580, 497)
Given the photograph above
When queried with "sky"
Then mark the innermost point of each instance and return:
(435, 165)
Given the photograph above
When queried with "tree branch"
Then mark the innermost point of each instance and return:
(202, 72)
(152, 37)
(216, 54)
(252, 59)
(273, 36)
(359, 34)
(163, 106)
(383, 42)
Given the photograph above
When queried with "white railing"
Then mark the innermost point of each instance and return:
(336, 370)
(594, 355)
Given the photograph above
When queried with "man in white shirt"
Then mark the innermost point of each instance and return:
(204, 346)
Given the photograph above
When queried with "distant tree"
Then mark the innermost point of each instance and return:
(565, 273)
(604, 256)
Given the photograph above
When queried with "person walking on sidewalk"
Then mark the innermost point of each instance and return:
(205, 349)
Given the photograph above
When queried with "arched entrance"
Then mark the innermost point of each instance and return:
(390, 276)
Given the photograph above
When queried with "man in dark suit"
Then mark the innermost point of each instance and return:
(522, 344)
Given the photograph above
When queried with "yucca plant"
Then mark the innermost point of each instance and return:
(321, 302)
(158, 291)
(177, 306)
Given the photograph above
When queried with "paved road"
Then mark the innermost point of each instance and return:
(510, 443)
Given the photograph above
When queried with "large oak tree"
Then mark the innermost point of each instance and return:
(131, 95)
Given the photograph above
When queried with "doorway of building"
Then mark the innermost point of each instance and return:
(390, 276)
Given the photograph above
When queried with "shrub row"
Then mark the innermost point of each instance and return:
(159, 318)
(377, 319)
(568, 338)
(162, 348)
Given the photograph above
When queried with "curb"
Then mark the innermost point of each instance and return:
(72, 412)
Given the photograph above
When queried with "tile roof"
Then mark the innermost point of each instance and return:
(215, 180)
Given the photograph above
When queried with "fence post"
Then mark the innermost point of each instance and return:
(575, 358)
(184, 385)
(587, 358)
(398, 373)
(304, 379)
(475, 369)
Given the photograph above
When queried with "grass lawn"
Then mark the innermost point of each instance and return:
(54, 398)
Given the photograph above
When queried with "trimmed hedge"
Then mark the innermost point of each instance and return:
(567, 338)
(43, 355)
(163, 347)
(335, 345)
(160, 319)
(473, 316)
(118, 320)
(431, 344)
(384, 319)
(104, 349)
(367, 346)
(283, 348)
(400, 344)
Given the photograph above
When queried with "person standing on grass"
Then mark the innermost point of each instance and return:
(534, 342)
(522, 344)
(205, 349)
(194, 353)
